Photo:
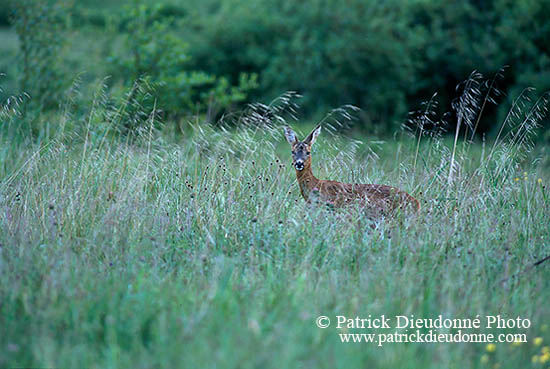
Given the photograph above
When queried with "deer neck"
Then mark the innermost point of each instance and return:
(307, 181)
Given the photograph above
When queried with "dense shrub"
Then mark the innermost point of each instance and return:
(383, 57)
(5, 15)
(152, 49)
(40, 28)
(331, 53)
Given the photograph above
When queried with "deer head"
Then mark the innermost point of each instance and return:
(301, 150)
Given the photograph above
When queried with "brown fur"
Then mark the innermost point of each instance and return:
(379, 200)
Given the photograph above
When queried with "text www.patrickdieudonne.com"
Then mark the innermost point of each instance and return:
(409, 329)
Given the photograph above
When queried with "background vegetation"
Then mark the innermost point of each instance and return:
(210, 56)
(149, 217)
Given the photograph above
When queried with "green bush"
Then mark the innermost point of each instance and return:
(152, 49)
(333, 54)
(383, 57)
(5, 15)
(40, 28)
(210, 56)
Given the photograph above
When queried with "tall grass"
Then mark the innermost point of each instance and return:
(136, 251)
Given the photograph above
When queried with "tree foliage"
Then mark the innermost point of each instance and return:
(211, 56)
(384, 57)
(153, 49)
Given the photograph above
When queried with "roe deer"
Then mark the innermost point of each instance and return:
(380, 200)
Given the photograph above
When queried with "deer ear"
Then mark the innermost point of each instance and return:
(290, 135)
(310, 139)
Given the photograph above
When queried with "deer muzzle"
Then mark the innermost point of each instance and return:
(299, 164)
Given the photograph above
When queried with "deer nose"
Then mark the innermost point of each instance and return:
(299, 165)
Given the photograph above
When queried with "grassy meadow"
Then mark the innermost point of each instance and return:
(150, 215)
(144, 252)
